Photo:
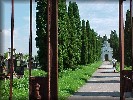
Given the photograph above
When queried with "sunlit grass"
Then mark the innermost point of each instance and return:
(20, 86)
(72, 80)
(125, 67)
(69, 81)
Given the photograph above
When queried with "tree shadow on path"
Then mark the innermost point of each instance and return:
(112, 94)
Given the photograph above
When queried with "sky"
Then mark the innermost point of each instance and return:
(21, 26)
(103, 17)
(102, 14)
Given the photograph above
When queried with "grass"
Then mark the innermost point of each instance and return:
(72, 80)
(20, 86)
(125, 67)
(69, 81)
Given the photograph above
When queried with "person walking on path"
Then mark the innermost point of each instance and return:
(114, 65)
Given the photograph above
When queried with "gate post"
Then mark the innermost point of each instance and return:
(48, 42)
(132, 39)
(52, 49)
(121, 45)
(11, 63)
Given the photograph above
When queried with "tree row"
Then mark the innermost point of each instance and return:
(78, 44)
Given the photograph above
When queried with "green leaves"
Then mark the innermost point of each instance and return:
(76, 45)
(41, 32)
(20, 86)
(71, 80)
(84, 50)
(114, 43)
(128, 40)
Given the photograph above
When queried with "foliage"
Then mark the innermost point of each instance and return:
(26, 57)
(84, 50)
(6, 55)
(114, 43)
(104, 38)
(41, 32)
(78, 31)
(98, 48)
(69, 81)
(88, 32)
(71, 45)
(20, 86)
(125, 67)
(128, 40)
(72, 80)
(63, 42)
(74, 35)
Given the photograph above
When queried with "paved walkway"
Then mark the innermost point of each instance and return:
(104, 85)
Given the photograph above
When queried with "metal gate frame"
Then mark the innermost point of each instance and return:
(124, 74)
(52, 29)
(52, 26)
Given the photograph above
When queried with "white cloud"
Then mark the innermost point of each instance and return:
(21, 28)
(104, 25)
(103, 17)
(7, 32)
(21, 39)
(7, 38)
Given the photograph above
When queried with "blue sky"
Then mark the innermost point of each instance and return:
(103, 17)
(21, 26)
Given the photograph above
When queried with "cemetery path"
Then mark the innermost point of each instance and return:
(103, 85)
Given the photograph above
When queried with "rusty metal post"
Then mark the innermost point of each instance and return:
(30, 39)
(52, 26)
(30, 45)
(121, 45)
(11, 64)
(54, 51)
(48, 41)
(132, 37)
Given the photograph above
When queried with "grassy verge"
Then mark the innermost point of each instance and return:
(72, 80)
(69, 81)
(125, 68)
(20, 86)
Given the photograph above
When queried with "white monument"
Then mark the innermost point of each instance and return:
(107, 52)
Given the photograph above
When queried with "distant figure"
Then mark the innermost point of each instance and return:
(114, 64)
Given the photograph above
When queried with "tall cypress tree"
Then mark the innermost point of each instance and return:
(114, 43)
(88, 31)
(72, 40)
(128, 41)
(73, 48)
(104, 38)
(41, 32)
(99, 46)
(84, 50)
(63, 34)
(92, 45)
(78, 30)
